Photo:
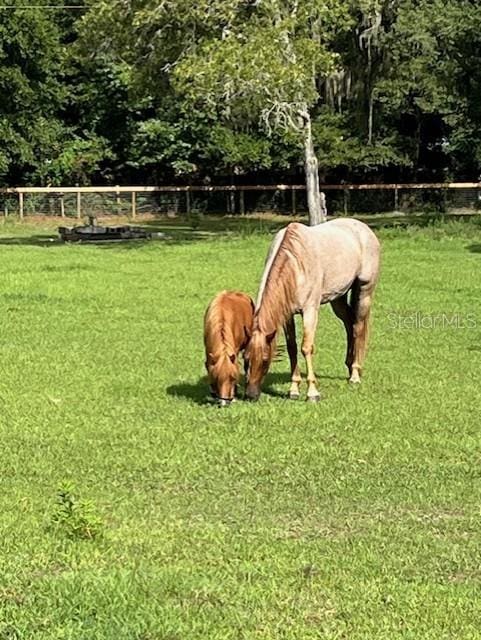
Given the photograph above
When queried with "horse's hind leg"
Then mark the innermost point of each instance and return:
(296, 379)
(361, 305)
(310, 324)
(344, 312)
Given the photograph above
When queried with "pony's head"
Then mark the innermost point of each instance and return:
(258, 357)
(223, 372)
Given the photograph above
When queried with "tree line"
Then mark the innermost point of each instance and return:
(160, 91)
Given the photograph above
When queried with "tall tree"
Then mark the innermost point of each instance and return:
(243, 62)
(31, 57)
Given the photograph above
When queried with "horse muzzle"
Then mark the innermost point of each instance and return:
(224, 402)
(253, 393)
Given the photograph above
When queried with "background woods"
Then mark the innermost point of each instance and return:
(163, 91)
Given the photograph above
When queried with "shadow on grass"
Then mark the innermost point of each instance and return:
(185, 231)
(198, 391)
(52, 241)
(31, 241)
(182, 230)
(177, 231)
(420, 220)
(474, 248)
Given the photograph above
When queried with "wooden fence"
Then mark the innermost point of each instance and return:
(59, 193)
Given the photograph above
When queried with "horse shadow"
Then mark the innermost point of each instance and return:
(474, 248)
(198, 392)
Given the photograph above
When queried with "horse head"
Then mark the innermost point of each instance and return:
(258, 357)
(223, 372)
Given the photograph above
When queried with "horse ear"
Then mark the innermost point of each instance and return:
(270, 337)
(232, 357)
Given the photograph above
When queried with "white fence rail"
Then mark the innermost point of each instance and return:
(462, 197)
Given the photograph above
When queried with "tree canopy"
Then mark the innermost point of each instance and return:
(228, 90)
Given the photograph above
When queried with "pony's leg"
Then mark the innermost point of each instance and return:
(344, 312)
(362, 310)
(296, 379)
(310, 324)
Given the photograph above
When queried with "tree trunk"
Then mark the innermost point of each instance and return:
(370, 118)
(316, 202)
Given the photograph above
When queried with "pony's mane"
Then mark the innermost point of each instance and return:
(219, 337)
(276, 301)
(219, 328)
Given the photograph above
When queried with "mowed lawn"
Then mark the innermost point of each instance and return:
(356, 518)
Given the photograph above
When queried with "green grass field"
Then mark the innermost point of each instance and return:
(356, 518)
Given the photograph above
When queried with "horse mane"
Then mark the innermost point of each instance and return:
(219, 339)
(277, 296)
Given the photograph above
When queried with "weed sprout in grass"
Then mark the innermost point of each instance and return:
(76, 518)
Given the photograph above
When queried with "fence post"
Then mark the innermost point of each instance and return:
(187, 201)
(62, 206)
(20, 205)
(79, 205)
(344, 191)
(134, 208)
(293, 202)
(396, 200)
(118, 200)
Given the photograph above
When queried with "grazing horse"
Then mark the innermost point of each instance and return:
(305, 268)
(227, 329)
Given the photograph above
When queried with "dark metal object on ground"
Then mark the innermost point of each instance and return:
(93, 232)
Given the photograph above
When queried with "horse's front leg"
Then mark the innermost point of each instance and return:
(296, 379)
(310, 324)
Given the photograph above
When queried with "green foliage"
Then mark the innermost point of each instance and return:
(154, 91)
(416, 78)
(244, 76)
(243, 150)
(76, 518)
(31, 57)
(241, 63)
(77, 161)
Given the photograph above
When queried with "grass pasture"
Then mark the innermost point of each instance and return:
(358, 518)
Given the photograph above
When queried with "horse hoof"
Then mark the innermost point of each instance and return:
(294, 396)
(355, 377)
(313, 399)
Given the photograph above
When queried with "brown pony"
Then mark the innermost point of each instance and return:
(307, 267)
(227, 330)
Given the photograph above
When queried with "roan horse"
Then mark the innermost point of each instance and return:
(305, 268)
(227, 330)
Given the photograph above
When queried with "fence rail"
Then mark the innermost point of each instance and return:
(341, 199)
